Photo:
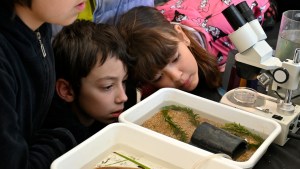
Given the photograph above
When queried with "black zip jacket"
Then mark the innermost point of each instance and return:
(27, 79)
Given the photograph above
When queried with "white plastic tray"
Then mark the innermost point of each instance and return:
(215, 111)
(150, 144)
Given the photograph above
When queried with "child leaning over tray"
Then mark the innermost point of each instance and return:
(165, 54)
(91, 75)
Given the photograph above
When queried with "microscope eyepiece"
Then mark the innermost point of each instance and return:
(246, 11)
(234, 17)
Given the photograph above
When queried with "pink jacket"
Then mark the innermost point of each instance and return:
(206, 17)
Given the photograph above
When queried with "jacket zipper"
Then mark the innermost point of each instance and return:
(38, 34)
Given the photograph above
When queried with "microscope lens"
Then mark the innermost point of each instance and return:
(234, 17)
(246, 11)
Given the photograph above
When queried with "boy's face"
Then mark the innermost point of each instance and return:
(102, 93)
(181, 72)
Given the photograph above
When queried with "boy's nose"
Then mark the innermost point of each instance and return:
(122, 97)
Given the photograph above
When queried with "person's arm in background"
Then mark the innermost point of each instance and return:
(109, 11)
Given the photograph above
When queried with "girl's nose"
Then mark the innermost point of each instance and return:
(173, 73)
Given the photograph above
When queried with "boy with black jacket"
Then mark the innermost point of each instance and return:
(27, 78)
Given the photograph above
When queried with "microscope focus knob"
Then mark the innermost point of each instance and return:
(280, 75)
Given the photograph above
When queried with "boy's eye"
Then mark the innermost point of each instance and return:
(107, 87)
(124, 83)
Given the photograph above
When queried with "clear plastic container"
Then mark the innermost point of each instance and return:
(245, 95)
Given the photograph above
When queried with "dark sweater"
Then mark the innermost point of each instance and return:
(205, 91)
(61, 115)
(27, 81)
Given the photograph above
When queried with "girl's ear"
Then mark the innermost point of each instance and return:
(64, 90)
(183, 36)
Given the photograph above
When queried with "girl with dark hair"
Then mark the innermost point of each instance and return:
(167, 55)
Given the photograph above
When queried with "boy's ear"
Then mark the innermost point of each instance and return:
(64, 90)
(185, 39)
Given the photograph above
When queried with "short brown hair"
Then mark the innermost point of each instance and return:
(82, 45)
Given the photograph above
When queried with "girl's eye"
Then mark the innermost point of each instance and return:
(157, 78)
(175, 59)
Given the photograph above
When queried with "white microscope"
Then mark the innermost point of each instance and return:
(249, 39)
